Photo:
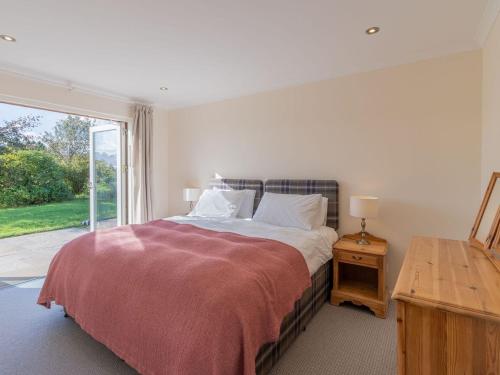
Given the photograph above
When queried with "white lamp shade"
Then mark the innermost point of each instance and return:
(190, 194)
(363, 206)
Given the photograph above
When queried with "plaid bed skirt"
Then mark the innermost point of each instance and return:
(296, 322)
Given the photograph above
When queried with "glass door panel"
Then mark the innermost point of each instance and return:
(105, 176)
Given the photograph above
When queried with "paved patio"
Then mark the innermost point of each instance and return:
(28, 257)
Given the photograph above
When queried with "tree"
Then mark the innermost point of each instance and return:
(17, 134)
(76, 174)
(69, 142)
(70, 138)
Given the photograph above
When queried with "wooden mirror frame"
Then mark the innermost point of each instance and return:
(472, 238)
(495, 246)
(494, 253)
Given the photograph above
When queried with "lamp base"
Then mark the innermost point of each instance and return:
(363, 241)
(357, 236)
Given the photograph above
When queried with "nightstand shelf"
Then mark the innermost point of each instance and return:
(359, 273)
(358, 288)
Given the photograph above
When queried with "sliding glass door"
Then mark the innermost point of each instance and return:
(107, 176)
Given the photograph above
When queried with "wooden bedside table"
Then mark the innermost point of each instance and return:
(359, 273)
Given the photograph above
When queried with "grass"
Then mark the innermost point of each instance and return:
(41, 218)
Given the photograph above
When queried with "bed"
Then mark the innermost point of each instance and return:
(321, 281)
(302, 311)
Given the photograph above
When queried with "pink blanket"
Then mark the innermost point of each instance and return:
(176, 299)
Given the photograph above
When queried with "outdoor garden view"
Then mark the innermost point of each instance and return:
(44, 173)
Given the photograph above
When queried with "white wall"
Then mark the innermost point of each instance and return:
(410, 134)
(19, 90)
(491, 105)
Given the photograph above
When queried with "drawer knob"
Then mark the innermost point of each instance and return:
(355, 257)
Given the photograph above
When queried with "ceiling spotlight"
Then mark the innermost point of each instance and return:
(8, 38)
(372, 30)
(163, 88)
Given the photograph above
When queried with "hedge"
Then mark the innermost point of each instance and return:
(31, 177)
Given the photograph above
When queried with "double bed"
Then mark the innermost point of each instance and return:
(199, 295)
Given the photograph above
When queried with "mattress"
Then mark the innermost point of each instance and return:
(314, 245)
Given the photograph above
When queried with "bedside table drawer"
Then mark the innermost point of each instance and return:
(367, 260)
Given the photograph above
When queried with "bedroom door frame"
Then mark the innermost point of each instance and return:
(121, 173)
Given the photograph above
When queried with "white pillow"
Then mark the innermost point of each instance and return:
(218, 203)
(323, 213)
(246, 209)
(289, 210)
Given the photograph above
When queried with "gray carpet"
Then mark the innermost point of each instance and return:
(340, 340)
(344, 340)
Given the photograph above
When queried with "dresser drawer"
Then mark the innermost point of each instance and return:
(368, 260)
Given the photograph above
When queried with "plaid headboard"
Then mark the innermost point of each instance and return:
(240, 184)
(328, 188)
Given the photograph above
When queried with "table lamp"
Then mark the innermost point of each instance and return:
(190, 195)
(364, 207)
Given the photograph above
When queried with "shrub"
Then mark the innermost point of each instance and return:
(31, 177)
(105, 180)
(76, 174)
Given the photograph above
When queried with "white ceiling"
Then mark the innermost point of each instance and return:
(208, 50)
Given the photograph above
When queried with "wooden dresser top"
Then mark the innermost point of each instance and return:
(449, 275)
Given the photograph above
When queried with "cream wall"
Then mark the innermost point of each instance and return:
(491, 105)
(19, 90)
(410, 134)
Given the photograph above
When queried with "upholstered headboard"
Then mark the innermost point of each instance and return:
(328, 188)
(240, 184)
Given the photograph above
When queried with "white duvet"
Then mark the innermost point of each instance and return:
(314, 245)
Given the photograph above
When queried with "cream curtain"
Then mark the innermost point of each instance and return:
(142, 208)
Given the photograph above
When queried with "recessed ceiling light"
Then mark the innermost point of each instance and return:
(163, 88)
(8, 38)
(372, 30)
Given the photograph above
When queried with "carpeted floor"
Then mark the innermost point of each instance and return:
(342, 340)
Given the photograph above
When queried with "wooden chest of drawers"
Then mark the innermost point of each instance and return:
(448, 310)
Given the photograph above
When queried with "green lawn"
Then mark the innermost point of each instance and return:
(45, 217)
